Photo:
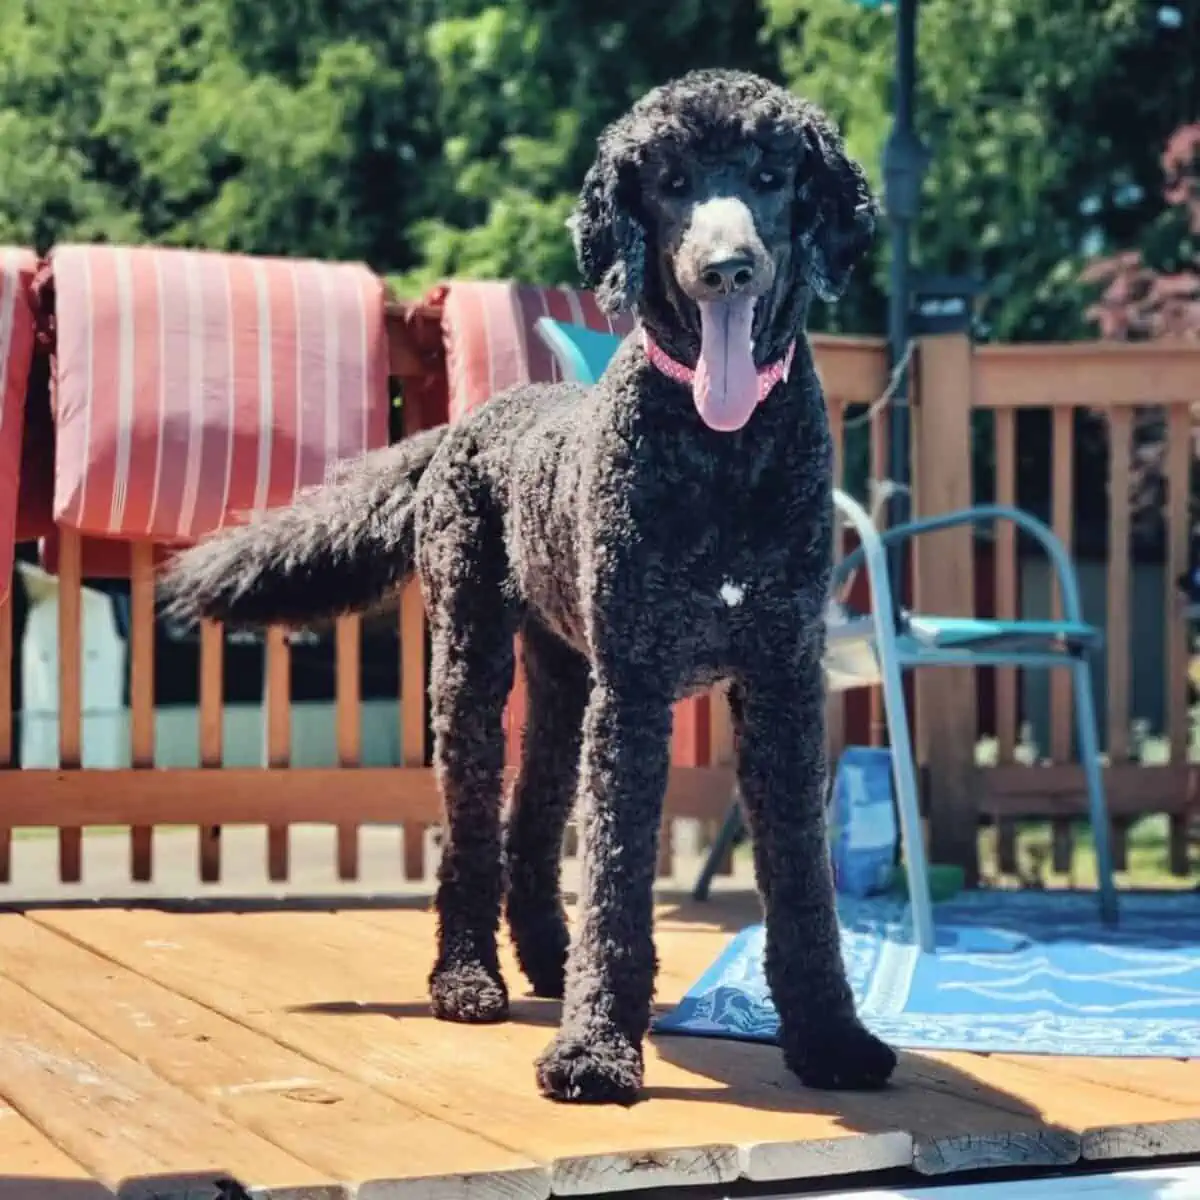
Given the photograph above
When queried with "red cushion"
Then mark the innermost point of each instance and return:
(490, 340)
(192, 387)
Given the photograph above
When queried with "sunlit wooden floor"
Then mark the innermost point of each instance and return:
(161, 1052)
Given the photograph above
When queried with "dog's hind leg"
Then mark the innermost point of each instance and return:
(556, 680)
(472, 626)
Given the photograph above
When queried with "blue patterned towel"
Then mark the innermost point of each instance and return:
(1014, 973)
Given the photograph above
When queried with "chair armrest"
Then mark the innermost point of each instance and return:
(870, 548)
(1064, 568)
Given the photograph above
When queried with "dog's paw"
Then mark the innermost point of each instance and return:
(601, 1070)
(843, 1057)
(542, 954)
(469, 993)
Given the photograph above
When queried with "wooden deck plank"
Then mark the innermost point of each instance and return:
(715, 1097)
(1111, 1124)
(32, 1167)
(122, 1123)
(339, 1125)
(1077, 1117)
(1142, 1108)
(1175, 1080)
(354, 999)
(952, 1122)
(974, 1111)
(343, 995)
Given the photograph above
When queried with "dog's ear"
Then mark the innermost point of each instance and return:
(835, 211)
(610, 244)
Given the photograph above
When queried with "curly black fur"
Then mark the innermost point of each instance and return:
(611, 526)
(341, 547)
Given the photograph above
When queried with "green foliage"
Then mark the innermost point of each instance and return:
(440, 137)
(219, 123)
(1045, 122)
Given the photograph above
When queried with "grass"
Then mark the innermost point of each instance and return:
(1148, 858)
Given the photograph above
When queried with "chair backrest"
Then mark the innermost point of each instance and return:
(582, 353)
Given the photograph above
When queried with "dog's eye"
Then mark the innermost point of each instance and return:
(767, 180)
(675, 184)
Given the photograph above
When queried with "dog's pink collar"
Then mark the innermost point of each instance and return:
(768, 376)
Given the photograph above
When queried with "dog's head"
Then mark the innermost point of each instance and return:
(715, 208)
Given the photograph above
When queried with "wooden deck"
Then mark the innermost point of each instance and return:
(157, 1051)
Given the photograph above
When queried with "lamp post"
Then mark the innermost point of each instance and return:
(905, 159)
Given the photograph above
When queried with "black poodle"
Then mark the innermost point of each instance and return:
(665, 530)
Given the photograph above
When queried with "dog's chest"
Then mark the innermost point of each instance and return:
(746, 555)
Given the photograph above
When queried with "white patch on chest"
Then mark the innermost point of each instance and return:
(732, 593)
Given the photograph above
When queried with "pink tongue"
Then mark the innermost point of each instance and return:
(725, 387)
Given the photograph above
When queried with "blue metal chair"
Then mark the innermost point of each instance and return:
(899, 641)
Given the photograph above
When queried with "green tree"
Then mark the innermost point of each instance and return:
(524, 89)
(1044, 122)
(290, 128)
(441, 137)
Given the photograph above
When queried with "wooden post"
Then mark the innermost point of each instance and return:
(944, 584)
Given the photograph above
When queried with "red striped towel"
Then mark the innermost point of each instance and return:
(17, 269)
(490, 338)
(192, 387)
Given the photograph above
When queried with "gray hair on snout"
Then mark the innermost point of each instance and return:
(722, 252)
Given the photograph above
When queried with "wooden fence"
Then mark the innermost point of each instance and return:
(1115, 381)
(953, 380)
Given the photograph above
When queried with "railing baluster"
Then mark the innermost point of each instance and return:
(1118, 679)
(349, 730)
(212, 735)
(1179, 465)
(1062, 488)
(1006, 610)
(412, 714)
(70, 688)
(141, 693)
(278, 698)
(1120, 440)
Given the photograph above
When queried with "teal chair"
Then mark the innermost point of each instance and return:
(879, 647)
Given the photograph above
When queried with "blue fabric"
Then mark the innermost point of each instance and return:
(582, 353)
(965, 630)
(1015, 972)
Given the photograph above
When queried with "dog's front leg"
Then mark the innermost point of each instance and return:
(597, 1055)
(779, 726)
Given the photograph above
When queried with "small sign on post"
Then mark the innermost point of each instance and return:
(944, 304)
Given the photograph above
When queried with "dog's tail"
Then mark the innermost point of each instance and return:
(341, 547)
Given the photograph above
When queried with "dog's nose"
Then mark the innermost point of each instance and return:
(728, 276)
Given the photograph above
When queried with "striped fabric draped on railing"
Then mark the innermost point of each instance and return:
(193, 386)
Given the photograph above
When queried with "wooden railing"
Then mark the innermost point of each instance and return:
(953, 381)
(1113, 381)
